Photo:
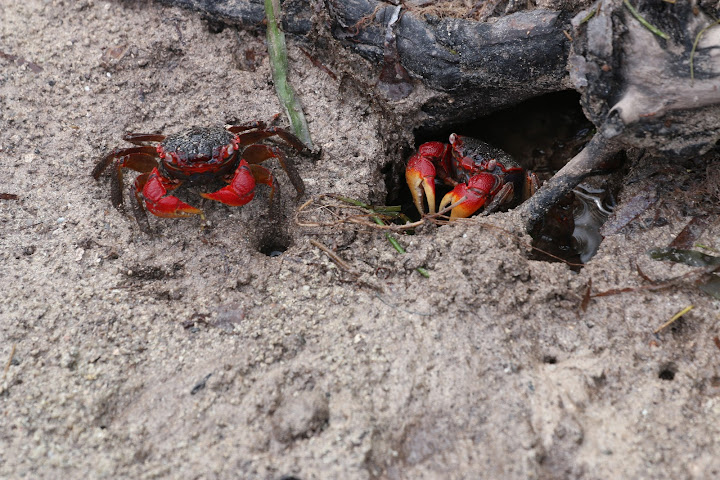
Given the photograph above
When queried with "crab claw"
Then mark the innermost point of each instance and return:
(239, 191)
(476, 192)
(420, 172)
(420, 176)
(158, 202)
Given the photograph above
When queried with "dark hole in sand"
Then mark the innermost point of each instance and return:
(667, 372)
(273, 244)
(273, 249)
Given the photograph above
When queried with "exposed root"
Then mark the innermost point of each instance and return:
(597, 152)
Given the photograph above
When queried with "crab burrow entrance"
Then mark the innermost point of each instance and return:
(539, 136)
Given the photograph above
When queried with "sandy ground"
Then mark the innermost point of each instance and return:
(191, 354)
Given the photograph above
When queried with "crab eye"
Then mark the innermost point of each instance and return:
(230, 149)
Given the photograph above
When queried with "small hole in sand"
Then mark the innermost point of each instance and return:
(549, 359)
(667, 372)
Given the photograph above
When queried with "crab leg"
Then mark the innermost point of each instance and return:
(137, 205)
(421, 172)
(264, 176)
(140, 162)
(251, 138)
(263, 131)
(120, 155)
(476, 192)
(255, 154)
(138, 138)
(255, 124)
(155, 190)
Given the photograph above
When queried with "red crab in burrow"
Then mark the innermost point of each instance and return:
(479, 173)
(198, 155)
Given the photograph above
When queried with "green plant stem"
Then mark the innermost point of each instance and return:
(277, 51)
(644, 22)
(391, 210)
(589, 16)
(393, 241)
(694, 47)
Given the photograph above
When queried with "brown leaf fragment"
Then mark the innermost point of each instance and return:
(20, 61)
(629, 211)
(689, 235)
(114, 53)
(586, 297)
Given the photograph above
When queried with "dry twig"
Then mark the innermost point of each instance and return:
(342, 264)
(10, 359)
(674, 318)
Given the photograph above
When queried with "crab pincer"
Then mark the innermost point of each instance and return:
(421, 172)
(476, 193)
(155, 188)
(241, 188)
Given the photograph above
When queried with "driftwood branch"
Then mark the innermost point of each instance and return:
(469, 67)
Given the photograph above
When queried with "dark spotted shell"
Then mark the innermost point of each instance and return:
(199, 143)
(480, 151)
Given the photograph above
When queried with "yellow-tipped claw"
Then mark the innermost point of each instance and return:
(420, 177)
(462, 210)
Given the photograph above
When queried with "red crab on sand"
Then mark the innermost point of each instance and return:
(198, 156)
(480, 174)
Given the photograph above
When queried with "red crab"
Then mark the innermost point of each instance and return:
(478, 172)
(198, 155)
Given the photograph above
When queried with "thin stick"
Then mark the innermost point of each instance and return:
(694, 275)
(589, 15)
(334, 257)
(383, 209)
(10, 359)
(436, 218)
(674, 318)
